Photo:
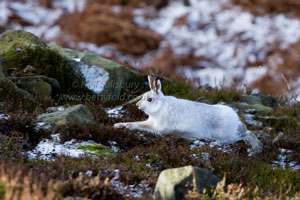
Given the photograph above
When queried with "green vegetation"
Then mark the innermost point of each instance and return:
(96, 149)
(184, 90)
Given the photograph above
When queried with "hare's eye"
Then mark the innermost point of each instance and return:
(149, 99)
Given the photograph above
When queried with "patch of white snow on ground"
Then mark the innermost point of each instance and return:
(55, 109)
(283, 160)
(4, 116)
(71, 6)
(95, 77)
(254, 73)
(47, 149)
(229, 36)
(115, 112)
(129, 191)
(249, 119)
(225, 148)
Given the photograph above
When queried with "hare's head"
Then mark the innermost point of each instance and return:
(152, 101)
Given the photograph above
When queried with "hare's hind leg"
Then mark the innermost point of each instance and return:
(142, 126)
(249, 138)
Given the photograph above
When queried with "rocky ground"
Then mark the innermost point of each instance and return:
(57, 110)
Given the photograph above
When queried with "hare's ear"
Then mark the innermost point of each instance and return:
(157, 86)
(151, 82)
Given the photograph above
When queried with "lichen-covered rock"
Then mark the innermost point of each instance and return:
(253, 102)
(9, 90)
(41, 86)
(78, 114)
(13, 44)
(173, 184)
(251, 99)
(110, 80)
(81, 75)
(20, 49)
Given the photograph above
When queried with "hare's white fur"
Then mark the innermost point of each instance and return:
(189, 119)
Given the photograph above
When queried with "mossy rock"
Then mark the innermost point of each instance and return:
(251, 99)
(38, 89)
(80, 74)
(37, 85)
(78, 114)
(9, 90)
(268, 100)
(254, 108)
(20, 49)
(13, 44)
(117, 83)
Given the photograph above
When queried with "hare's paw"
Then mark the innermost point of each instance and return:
(120, 125)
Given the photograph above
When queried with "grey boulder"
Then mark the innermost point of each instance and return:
(173, 184)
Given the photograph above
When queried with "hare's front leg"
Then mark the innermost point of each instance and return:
(142, 126)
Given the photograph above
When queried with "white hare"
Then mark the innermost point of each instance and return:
(189, 119)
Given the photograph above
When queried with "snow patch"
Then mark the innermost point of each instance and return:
(55, 109)
(283, 160)
(77, 59)
(115, 112)
(95, 77)
(4, 116)
(249, 119)
(71, 6)
(229, 37)
(129, 191)
(254, 73)
(42, 125)
(47, 149)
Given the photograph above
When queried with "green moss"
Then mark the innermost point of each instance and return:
(95, 149)
(261, 108)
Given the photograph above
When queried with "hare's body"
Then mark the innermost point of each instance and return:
(189, 119)
(196, 120)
